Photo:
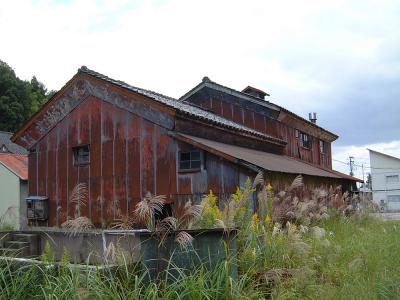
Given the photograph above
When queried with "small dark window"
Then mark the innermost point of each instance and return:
(81, 155)
(190, 160)
(305, 140)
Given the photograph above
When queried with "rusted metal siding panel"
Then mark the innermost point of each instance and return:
(83, 138)
(230, 176)
(172, 158)
(42, 167)
(73, 131)
(107, 160)
(95, 185)
(147, 157)
(119, 193)
(216, 106)
(62, 170)
(227, 110)
(133, 161)
(52, 176)
(259, 124)
(32, 173)
(237, 114)
(249, 119)
(271, 126)
(163, 163)
(214, 171)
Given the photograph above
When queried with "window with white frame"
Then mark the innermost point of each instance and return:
(392, 178)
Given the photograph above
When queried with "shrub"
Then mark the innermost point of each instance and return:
(210, 212)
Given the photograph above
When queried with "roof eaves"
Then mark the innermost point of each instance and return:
(384, 154)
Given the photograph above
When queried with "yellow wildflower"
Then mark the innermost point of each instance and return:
(269, 187)
(254, 222)
(268, 219)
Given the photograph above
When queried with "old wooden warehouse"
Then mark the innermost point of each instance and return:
(124, 141)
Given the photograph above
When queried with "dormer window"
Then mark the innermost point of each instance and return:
(3, 148)
(81, 155)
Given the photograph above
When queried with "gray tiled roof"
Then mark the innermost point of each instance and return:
(183, 108)
(11, 147)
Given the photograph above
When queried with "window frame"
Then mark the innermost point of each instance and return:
(393, 198)
(322, 147)
(75, 154)
(392, 176)
(302, 140)
(190, 161)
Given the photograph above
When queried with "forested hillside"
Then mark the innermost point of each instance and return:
(19, 99)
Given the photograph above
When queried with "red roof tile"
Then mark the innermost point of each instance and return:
(16, 163)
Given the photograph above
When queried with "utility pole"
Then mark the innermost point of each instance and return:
(351, 164)
(363, 191)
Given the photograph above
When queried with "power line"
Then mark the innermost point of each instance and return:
(365, 166)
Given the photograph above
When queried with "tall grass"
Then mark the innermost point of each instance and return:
(361, 261)
(33, 282)
(299, 244)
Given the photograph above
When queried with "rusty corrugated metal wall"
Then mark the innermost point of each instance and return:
(129, 156)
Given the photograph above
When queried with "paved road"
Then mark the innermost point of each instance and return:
(388, 216)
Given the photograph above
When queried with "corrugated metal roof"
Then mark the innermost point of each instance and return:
(5, 139)
(16, 163)
(183, 107)
(267, 161)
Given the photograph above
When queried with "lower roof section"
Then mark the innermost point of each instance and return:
(16, 163)
(264, 160)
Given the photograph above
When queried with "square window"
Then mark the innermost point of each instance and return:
(190, 160)
(81, 155)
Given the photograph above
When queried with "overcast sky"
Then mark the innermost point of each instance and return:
(340, 59)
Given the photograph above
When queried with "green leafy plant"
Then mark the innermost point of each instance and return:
(210, 212)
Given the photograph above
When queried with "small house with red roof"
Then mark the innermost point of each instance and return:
(13, 189)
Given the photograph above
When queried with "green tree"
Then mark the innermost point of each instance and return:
(19, 99)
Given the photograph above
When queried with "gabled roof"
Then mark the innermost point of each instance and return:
(267, 161)
(383, 154)
(181, 107)
(5, 140)
(206, 82)
(16, 163)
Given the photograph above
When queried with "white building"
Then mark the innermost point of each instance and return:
(385, 174)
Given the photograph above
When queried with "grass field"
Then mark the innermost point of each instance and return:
(360, 261)
(357, 258)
